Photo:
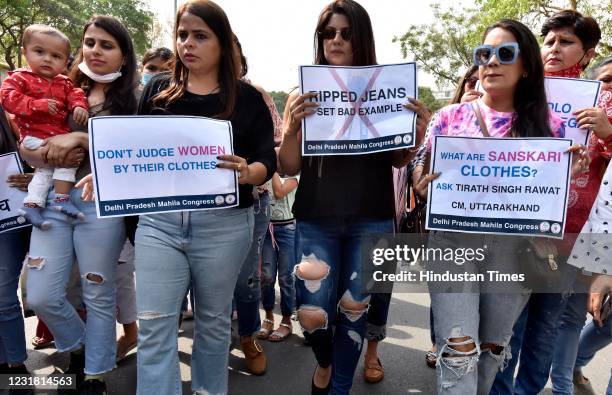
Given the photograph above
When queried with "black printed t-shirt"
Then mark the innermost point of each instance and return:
(345, 186)
(252, 128)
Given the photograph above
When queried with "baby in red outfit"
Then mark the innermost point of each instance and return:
(41, 98)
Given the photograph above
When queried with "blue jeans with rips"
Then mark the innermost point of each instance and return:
(328, 280)
(206, 249)
(96, 243)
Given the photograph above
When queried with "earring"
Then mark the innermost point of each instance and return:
(524, 75)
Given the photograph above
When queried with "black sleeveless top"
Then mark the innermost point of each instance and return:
(346, 186)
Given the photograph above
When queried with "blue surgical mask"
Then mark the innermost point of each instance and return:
(146, 77)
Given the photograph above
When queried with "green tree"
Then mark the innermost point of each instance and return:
(426, 96)
(280, 98)
(69, 16)
(444, 47)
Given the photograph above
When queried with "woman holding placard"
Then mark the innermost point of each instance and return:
(205, 248)
(471, 334)
(335, 211)
(105, 69)
(569, 45)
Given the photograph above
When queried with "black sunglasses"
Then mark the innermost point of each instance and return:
(329, 33)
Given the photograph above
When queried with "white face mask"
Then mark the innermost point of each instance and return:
(103, 79)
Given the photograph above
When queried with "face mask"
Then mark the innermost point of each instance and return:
(103, 79)
(572, 72)
(146, 77)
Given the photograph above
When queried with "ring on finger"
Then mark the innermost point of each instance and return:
(239, 167)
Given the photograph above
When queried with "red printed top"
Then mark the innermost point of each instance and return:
(26, 95)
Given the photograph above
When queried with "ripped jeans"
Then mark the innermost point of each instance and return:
(173, 250)
(328, 280)
(97, 244)
(466, 321)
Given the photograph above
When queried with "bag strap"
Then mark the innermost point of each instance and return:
(483, 125)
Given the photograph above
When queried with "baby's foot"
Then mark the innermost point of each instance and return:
(66, 206)
(33, 214)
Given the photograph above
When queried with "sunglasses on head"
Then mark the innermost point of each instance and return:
(506, 53)
(329, 33)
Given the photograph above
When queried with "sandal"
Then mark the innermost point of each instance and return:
(431, 358)
(373, 372)
(122, 354)
(278, 336)
(264, 333)
(40, 342)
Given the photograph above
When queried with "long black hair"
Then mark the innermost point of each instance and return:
(362, 36)
(120, 98)
(531, 117)
(214, 16)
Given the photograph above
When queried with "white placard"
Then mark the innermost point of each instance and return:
(566, 95)
(153, 164)
(11, 199)
(489, 185)
(361, 109)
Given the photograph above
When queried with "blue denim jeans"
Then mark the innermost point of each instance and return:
(571, 324)
(533, 340)
(206, 249)
(247, 293)
(376, 321)
(480, 317)
(97, 244)
(279, 259)
(12, 336)
(592, 339)
(328, 280)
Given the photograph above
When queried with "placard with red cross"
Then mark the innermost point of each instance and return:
(361, 109)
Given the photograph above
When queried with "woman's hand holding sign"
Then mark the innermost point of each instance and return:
(595, 120)
(298, 109)
(253, 174)
(402, 157)
(580, 160)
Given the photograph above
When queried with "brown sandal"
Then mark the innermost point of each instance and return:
(373, 372)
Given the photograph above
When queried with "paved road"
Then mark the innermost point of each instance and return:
(290, 364)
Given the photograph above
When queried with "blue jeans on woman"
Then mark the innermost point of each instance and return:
(206, 249)
(12, 335)
(592, 339)
(564, 358)
(333, 246)
(279, 258)
(533, 342)
(97, 244)
(247, 293)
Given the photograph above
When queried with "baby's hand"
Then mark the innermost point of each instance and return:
(52, 106)
(80, 115)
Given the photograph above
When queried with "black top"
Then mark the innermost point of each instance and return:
(346, 186)
(252, 127)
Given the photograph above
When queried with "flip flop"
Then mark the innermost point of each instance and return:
(277, 336)
(264, 333)
(121, 356)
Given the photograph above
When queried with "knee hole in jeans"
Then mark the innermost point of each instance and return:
(312, 318)
(94, 278)
(312, 271)
(35, 263)
(457, 357)
(351, 308)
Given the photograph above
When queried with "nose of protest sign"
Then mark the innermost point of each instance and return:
(361, 109)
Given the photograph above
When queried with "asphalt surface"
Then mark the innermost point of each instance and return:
(291, 363)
